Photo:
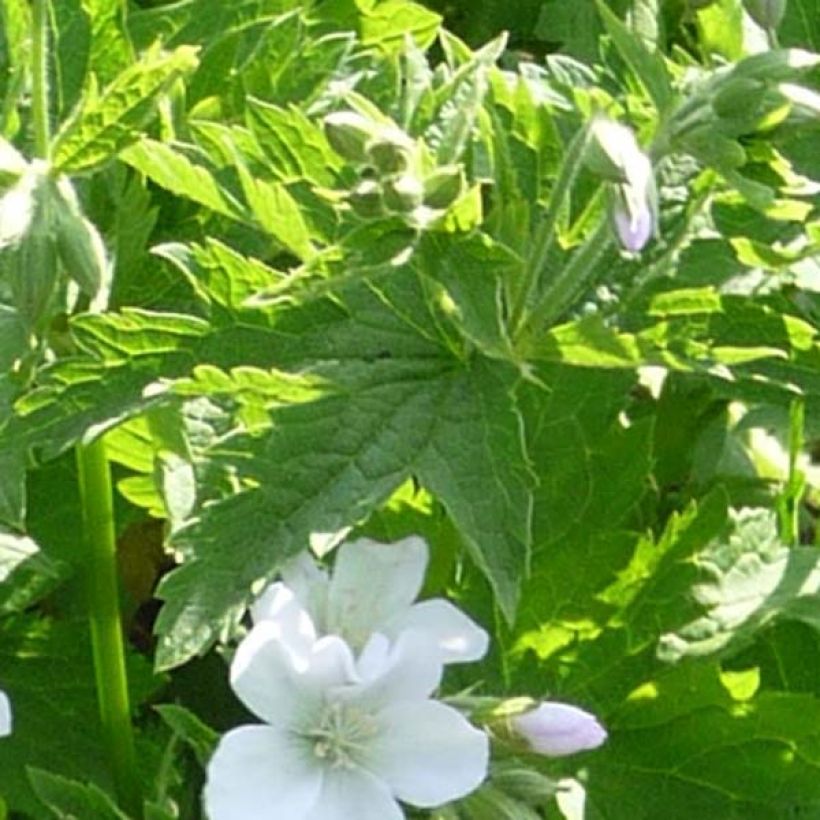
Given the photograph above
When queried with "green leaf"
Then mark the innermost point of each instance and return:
(295, 145)
(172, 169)
(185, 724)
(278, 214)
(648, 66)
(107, 122)
(384, 23)
(26, 575)
(69, 799)
(41, 657)
(472, 272)
(695, 742)
(751, 579)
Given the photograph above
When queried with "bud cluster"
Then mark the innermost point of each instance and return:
(393, 178)
(42, 232)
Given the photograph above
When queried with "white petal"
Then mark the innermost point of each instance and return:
(354, 794)
(282, 607)
(410, 670)
(459, 638)
(261, 773)
(373, 583)
(280, 686)
(310, 584)
(429, 753)
(5, 715)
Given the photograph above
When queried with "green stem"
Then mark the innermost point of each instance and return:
(568, 284)
(39, 78)
(571, 165)
(106, 626)
(96, 496)
(792, 493)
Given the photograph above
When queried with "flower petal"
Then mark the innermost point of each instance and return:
(428, 753)
(310, 584)
(354, 793)
(558, 729)
(371, 584)
(410, 669)
(5, 715)
(281, 686)
(281, 605)
(459, 638)
(262, 773)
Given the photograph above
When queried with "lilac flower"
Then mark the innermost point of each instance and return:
(558, 729)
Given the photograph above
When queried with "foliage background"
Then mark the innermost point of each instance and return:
(349, 396)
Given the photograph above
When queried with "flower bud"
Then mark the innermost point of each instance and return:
(768, 14)
(391, 152)
(612, 149)
(557, 729)
(443, 187)
(79, 244)
(523, 784)
(348, 134)
(634, 227)
(735, 94)
(403, 194)
(33, 265)
(366, 199)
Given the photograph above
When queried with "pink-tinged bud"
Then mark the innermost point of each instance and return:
(5, 715)
(634, 229)
(558, 729)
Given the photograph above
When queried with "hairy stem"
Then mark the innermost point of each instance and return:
(100, 577)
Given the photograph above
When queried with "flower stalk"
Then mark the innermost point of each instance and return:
(101, 579)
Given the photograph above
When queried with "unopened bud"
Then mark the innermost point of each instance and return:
(558, 729)
(768, 14)
(391, 151)
(403, 194)
(366, 199)
(348, 134)
(612, 149)
(443, 187)
(79, 244)
(527, 785)
(736, 94)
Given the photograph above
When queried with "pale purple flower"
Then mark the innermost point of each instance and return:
(558, 729)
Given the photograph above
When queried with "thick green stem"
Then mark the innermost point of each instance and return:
(106, 626)
(39, 78)
(100, 577)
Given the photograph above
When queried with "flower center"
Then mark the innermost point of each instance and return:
(342, 735)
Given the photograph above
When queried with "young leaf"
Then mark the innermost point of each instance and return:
(108, 121)
(70, 799)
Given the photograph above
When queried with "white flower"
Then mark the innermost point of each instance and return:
(372, 590)
(343, 738)
(557, 729)
(5, 715)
